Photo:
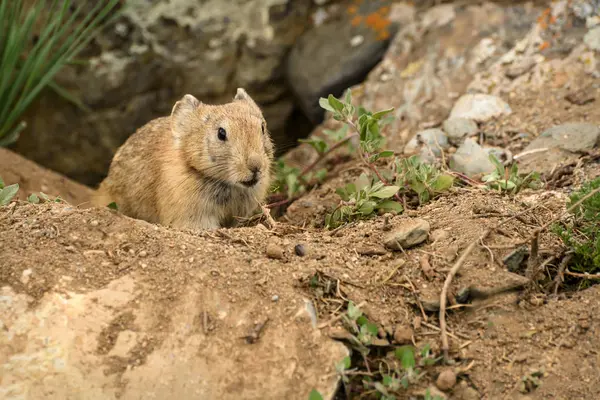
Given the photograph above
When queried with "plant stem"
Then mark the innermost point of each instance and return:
(367, 163)
(325, 154)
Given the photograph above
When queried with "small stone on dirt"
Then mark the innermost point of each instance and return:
(574, 136)
(403, 335)
(300, 250)
(592, 38)
(439, 234)
(480, 107)
(581, 97)
(371, 250)
(468, 393)
(427, 141)
(459, 128)
(471, 159)
(274, 251)
(410, 233)
(520, 67)
(446, 380)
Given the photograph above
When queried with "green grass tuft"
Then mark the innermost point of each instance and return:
(582, 234)
(35, 43)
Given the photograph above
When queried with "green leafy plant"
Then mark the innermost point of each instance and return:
(361, 199)
(315, 395)
(582, 234)
(292, 182)
(358, 324)
(35, 43)
(7, 192)
(506, 179)
(426, 180)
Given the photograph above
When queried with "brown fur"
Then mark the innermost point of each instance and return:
(175, 171)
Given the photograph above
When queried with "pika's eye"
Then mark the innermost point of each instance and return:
(263, 128)
(222, 135)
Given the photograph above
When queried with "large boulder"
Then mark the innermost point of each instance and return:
(339, 53)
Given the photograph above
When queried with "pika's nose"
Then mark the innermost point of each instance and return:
(254, 163)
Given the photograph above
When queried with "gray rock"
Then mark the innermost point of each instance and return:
(520, 67)
(558, 145)
(409, 234)
(459, 128)
(570, 136)
(427, 142)
(328, 59)
(471, 159)
(480, 107)
(592, 38)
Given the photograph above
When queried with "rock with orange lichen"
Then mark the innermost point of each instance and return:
(339, 53)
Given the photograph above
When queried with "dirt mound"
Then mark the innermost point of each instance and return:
(114, 307)
(122, 308)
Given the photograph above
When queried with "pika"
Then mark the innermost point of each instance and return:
(199, 168)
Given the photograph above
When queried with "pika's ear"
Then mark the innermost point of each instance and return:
(242, 95)
(181, 112)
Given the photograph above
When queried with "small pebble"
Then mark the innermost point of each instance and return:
(274, 251)
(94, 223)
(275, 298)
(409, 233)
(403, 335)
(439, 234)
(143, 253)
(446, 380)
(300, 250)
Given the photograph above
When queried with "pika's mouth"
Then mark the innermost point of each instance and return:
(250, 182)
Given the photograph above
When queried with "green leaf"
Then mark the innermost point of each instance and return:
(346, 362)
(315, 395)
(386, 192)
(387, 380)
(362, 320)
(335, 103)
(367, 208)
(443, 183)
(325, 104)
(44, 196)
(372, 328)
(425, 350)
(348, 96)
(351, 188)
(353, 312)
(406, 356)
(343, 193)
(379, 114)
(319, 145)
(321, 174)
(33, 198)
(387, 153)
(7, 193)
(499, 166)
(390, 206)
(113, 206)
(362, 182)
(1, 184)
